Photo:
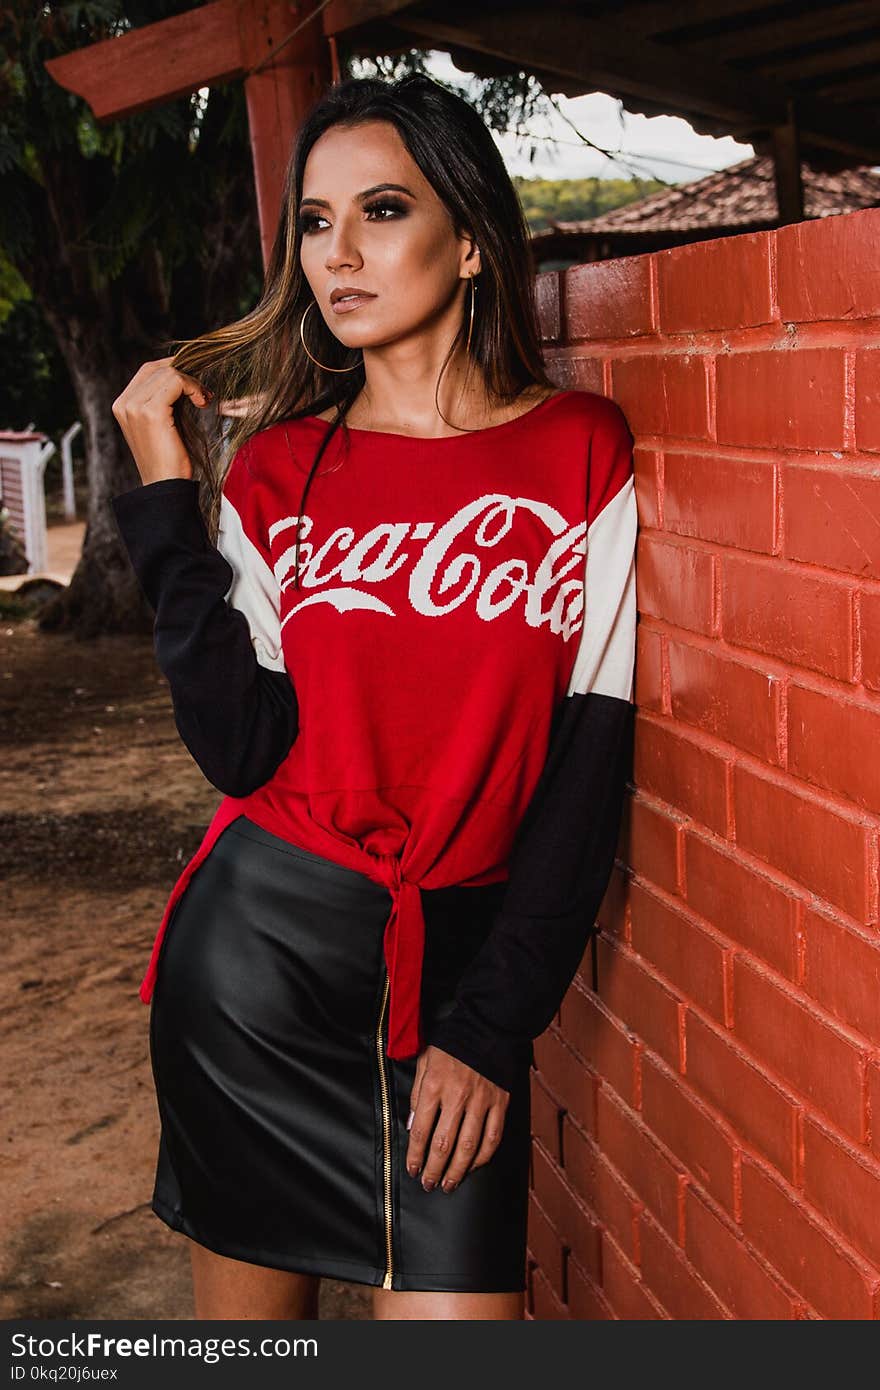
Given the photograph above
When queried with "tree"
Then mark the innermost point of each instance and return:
(128, 235)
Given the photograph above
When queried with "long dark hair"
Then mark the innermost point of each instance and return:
(259, 362)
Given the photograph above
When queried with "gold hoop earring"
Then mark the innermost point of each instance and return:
(473, 298)
(322, 365)
(465, 428)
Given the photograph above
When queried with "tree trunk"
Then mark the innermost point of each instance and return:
(103, 594)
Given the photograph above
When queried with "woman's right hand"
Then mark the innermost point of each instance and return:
(144, 414)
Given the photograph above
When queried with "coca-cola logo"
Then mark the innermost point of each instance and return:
(447, 568)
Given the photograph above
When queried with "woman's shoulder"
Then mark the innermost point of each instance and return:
(599, 412)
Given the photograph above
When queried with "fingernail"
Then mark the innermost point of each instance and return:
(428, 1183)
(412, 1115)
(448, 1186)
(412, 1170)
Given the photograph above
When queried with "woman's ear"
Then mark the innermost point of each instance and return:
(472, 263)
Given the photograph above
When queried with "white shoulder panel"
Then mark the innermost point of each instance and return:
(606, 655)
(254, 589)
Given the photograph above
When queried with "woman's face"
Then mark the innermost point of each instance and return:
(395, 242)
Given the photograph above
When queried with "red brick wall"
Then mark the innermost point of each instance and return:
(704, 1144)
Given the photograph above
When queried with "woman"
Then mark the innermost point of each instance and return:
(416, 697)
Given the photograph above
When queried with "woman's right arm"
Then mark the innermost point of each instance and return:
(234, 703)
(216, 631)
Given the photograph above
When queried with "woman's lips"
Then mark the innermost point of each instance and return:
(344, 306)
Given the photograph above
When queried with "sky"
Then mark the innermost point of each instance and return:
(663, 147)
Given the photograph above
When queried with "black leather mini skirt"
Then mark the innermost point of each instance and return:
(283, 1121)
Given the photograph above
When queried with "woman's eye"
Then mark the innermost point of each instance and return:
(385, 207)
(307, 221)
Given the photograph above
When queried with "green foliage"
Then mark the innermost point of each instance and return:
(570, 200)
(120, 172)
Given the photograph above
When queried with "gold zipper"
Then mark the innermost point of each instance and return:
(386, 1134)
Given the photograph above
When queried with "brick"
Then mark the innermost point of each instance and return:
(713, 497)
(639, 1000)
(575, 369)
(691, 960)
(626, 1293)
(874, 1106)
(682, 771)
(790, 614)
(600, 1040)
(810, 1258)
(741, 903)
(600, 1187)
(672, 1112)
(675, 582)
(867, 399)
(670, 1278)
(827, 739)
(844, 1185)
(869, 638)
(718, 1252)
(569, 1218)
(793, 1041)
(586, 1303)
(664, 393)
(733, 701)
(547, 303)
(724, 283)
(655, 1179)
(567, 1078)
(826, 268)
(826, 851)
(544, 1245)
(545, 1111)
(744, 1096)
(842, 972)
(547, 1306)
(832, 518)
(608, 299)
(655, 838)
(648, 668)
(783, 397)
(613, 911)
(646, 470)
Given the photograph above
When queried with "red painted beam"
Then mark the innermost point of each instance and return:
(156, 63)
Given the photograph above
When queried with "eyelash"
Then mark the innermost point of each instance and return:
(307, 220)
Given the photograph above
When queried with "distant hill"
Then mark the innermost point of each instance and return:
(545, 200)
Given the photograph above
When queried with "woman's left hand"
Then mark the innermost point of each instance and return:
(469, 1125)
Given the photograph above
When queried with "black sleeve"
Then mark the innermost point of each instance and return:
(564, 848)
(237, 716)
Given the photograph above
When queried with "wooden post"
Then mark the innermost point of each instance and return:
(787, 169)
(279, 94)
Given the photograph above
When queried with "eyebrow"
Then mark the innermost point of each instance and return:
(376, 188)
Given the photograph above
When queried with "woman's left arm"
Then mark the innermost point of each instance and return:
(564, 848)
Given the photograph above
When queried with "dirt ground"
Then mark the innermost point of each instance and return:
(100, 806)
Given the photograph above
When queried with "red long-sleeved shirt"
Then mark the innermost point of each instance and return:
(446, 699)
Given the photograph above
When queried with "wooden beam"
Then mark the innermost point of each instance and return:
(612, 58)
(159, 62)
(342, 15)
(666, 16)
(807, 70)
(784, 38)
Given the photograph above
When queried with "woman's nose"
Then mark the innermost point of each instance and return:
(342, 250)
